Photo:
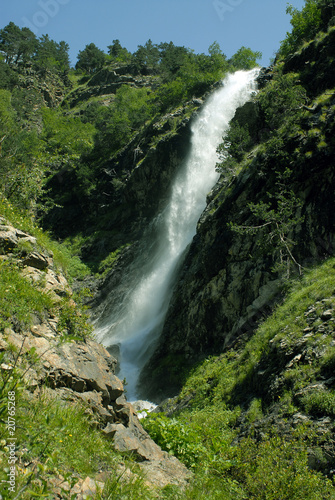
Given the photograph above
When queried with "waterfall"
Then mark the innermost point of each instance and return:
(136, 324)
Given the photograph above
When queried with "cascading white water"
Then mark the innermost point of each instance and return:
(136, 325)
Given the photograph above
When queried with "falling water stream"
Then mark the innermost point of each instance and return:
(137, 323)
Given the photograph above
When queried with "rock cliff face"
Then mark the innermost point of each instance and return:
(107, 81)
(227, 283)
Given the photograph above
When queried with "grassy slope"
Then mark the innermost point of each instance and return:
(252, 420)
(57, 443)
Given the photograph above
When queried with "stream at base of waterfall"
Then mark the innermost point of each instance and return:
(135, 325)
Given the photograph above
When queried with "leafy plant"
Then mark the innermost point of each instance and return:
(91, 59)
(176, 438)
(19, 298)
(244, 59)
(73, 322)
(305, 24)
(278, 219)
(281, 99)
(319, 402)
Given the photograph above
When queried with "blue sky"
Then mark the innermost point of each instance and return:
(196, 24)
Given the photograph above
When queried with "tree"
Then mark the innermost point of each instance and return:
(172, 58)
(217, 57)
(64, 135)
(214, 50)
(146, 57)
(131, 108)
(52, 55)
(9, 42)
(118, 53)
(281, 99)
(8, 77)
(245, 58)
(27, 46)
(275, 218)
(305, 24)
(21, 174)
(63, 59)
(17, 45)
(91, 59)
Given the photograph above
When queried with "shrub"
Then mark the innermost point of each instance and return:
(278, 469)
(305, 24)
(19, 299)
(319, 402)
(176, 438)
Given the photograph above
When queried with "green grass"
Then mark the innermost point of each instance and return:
(57, 439)
(206, 434)
(64, 257)
(19, 299)
(219, 378)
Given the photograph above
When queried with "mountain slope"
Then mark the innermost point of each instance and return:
(270, 219)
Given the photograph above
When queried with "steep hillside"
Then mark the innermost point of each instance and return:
(269, 218)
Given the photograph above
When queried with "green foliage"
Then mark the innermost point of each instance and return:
(281, 99)
(217, 378)
(275, 221)
(116, 124)
(244, 59)
(108, 263)
(73, 323)
(66, 135)
(52, 55)
(231, 151)
(118, 53)
(319, 402)
(255, 411)
(305, 24)
(21, 175)
(53, 441)
(91, 59)
(18, 45)
(275, 468)
(8, 77)
(147, 57)
(176, 438)
(172, 58)
(19, 298)
(65, 258)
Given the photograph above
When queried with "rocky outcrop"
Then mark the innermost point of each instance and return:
(41, 88)
(107, 81)
(83, 372)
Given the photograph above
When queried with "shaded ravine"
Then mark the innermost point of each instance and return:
(136, 322)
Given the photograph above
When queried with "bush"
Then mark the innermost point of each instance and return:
(176, 438)
(319, 402)
(278, 469)
(281, 99)
(305, 24)
(19, 299)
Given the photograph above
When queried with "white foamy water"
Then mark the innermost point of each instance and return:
(136, 324)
